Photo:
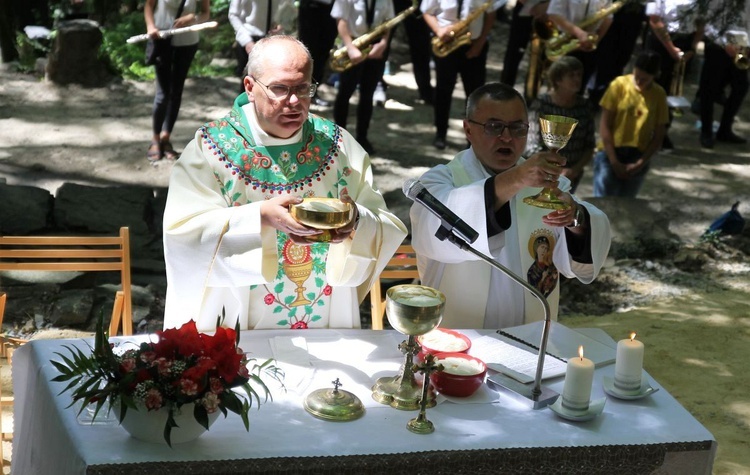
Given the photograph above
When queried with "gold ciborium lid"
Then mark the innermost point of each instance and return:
(334, 404)
(414, 309)
(322, 213)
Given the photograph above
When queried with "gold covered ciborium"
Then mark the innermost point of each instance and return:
(322, 213)
(412, 310)
(556, 131)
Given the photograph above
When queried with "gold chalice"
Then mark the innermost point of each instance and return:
(322, 213)
(556, 131)
(412, 310)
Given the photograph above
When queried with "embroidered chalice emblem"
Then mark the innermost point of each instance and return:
(297, 267)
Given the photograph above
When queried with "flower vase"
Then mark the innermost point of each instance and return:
(149, 426)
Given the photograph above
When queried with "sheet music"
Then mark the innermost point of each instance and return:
(506, 356)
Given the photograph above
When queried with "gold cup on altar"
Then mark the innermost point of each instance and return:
(322, 213)
(556, 132)
(412, 310)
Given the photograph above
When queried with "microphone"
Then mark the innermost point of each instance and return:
(415, 191)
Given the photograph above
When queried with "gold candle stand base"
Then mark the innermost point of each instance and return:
(546, 199)
(402, 391)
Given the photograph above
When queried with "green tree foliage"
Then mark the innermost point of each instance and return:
(122, 19)
(127, 60)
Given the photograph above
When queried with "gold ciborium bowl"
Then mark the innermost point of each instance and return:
(414, 309)
(322, 213)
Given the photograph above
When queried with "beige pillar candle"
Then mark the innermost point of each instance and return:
(629, 364)
(579, 376)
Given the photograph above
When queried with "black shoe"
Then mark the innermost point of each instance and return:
(320, 102)
(729, 137)
(667, 145)
(424, 100)
(695, 106)
(439, 143)
(707, 141)
(366, 145)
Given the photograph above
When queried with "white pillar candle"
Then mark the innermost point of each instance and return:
(629, 364)
(578, 378)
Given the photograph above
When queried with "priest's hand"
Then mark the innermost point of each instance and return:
(344, 232)
(569, 218)
(275, 213)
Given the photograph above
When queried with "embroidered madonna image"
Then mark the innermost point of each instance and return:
(542, 274)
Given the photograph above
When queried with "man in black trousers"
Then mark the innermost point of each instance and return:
(317, 30)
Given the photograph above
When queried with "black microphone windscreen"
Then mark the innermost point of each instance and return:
(412, 187)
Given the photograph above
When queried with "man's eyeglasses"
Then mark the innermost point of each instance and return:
(281, 91)
(495, 128)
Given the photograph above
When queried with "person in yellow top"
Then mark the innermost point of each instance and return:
(632, 127)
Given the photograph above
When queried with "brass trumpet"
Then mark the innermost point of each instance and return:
(740, 40)
(675, 87)
(742, 59)
(460, 35)
(564, 43)
(340, 60)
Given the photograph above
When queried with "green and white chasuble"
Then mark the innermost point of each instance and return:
(219, 255)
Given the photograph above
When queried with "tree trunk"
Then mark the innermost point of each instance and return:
(8, 49)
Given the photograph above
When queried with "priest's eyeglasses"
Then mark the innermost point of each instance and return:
(495, 128)
(281, 92)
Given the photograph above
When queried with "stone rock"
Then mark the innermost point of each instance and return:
(691, 259)
(24, 209)
(72, 308)
(103, 210)
(639, 228)
(75, 55)
(25, 300)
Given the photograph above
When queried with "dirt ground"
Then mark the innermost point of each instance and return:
(694, 320)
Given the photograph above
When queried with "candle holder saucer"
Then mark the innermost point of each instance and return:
(608, 384)
(595, 408)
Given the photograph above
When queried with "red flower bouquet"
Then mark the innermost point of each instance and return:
(181, 367)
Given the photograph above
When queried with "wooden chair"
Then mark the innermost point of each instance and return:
(403, 266)
(68, 253)
(75, 253)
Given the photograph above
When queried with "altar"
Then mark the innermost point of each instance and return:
(491, 432)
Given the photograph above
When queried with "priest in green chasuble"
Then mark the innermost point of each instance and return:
(230, 242)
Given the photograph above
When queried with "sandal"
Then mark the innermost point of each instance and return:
(154, 153)
(169, 152)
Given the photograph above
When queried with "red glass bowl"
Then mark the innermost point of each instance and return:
(450, 383)
(433, 346)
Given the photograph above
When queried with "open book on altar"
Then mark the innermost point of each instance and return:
(514, 351)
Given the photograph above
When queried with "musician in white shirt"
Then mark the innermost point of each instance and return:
(251, 20)
(567, 15)
(723, 33)
(355, 18)
(470, 61)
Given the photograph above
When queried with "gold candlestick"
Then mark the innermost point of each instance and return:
(556, 131)
(420, 424)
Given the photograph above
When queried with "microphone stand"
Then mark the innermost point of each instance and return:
(537, 396)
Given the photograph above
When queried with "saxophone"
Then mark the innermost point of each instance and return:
(340, 58)
(460, 35)
(564, 43)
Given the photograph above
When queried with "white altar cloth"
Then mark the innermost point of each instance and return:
(48, 439)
